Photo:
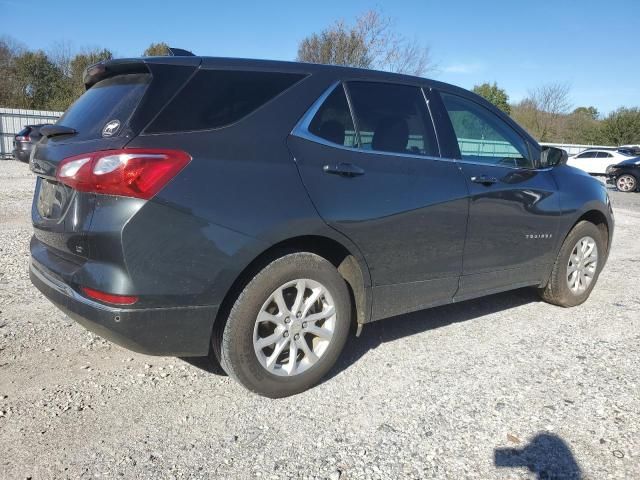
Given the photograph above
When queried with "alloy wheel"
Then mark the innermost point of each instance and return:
(294, 327)
(626, 183)
(582, 265)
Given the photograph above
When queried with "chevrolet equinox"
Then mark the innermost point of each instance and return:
(259, 209)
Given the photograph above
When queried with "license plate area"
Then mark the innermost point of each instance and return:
(53, 198)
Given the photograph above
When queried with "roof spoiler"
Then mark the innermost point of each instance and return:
(108, 68)
(179, 52)
(55, 130)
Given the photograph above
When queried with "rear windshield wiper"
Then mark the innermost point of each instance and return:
(54, 130)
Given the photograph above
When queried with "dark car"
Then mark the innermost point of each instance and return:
(24, 141)
(260, 209)
(632, 151)
(625, 175)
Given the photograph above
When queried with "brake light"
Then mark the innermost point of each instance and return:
(23, 138)
(133, 172)
(109, 297)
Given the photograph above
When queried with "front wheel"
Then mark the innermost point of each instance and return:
(287, 327)
(577, 266)
(626, 183)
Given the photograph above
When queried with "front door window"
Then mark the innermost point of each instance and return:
(483, 137)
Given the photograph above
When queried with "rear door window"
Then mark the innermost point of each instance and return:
(392, 118)
(110, 100)
(217, 98)
(333, 120)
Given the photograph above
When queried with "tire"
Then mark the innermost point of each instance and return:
(558, 290)
(234, 340)
(626, 183)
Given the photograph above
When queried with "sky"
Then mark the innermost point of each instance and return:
(593, 46)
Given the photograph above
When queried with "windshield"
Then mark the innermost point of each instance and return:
(110, 100)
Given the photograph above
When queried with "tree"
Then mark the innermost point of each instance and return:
(621, 127)
(77, 67)
(589, 111)
(10, 88)
(61, 54)
(336, 46)
(581, 126)
(371, 42)
(156, 50)
(543, 111)
(495, 95)
(40, 82)
(72, 66)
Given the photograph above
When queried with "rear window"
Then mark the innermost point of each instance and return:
(23, 132)
(217, 98)
(333, 121)
(110, 100)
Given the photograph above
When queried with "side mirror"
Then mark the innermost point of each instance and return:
(552, 156)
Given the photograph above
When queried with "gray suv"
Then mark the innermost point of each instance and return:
(259, 209)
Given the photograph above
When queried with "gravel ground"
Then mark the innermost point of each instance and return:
(501, 387)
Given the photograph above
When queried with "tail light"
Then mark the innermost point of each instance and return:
(23, 138)
(109, 297)
(133, 172)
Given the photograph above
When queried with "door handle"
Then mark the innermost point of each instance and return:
(343, 169)
(484, 180)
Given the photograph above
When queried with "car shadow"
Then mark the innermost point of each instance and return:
(390, 329)
(209, 364)
(547, 456)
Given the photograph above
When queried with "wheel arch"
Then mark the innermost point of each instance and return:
(599, 219)
(350, 266)
(592, 214)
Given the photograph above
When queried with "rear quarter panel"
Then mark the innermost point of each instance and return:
(240, 195)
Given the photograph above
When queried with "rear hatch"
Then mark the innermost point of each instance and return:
(122, 97)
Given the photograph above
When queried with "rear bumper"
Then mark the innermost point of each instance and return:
(22, 155)
(179, 331)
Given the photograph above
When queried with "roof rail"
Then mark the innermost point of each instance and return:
(179, 52)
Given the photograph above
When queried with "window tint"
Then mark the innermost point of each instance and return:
(114, 98)
(604, 155)
(333, 120)
(216, 98)
(392, 118)
(587, 155)
(483, 136)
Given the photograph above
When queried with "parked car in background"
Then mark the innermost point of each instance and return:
(625, 175)
(633, 150)
(595, 161)
(24, 141)
(260, 209)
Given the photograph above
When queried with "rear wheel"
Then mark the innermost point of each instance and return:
(287, 327)
(577, 266)
(626, 183)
